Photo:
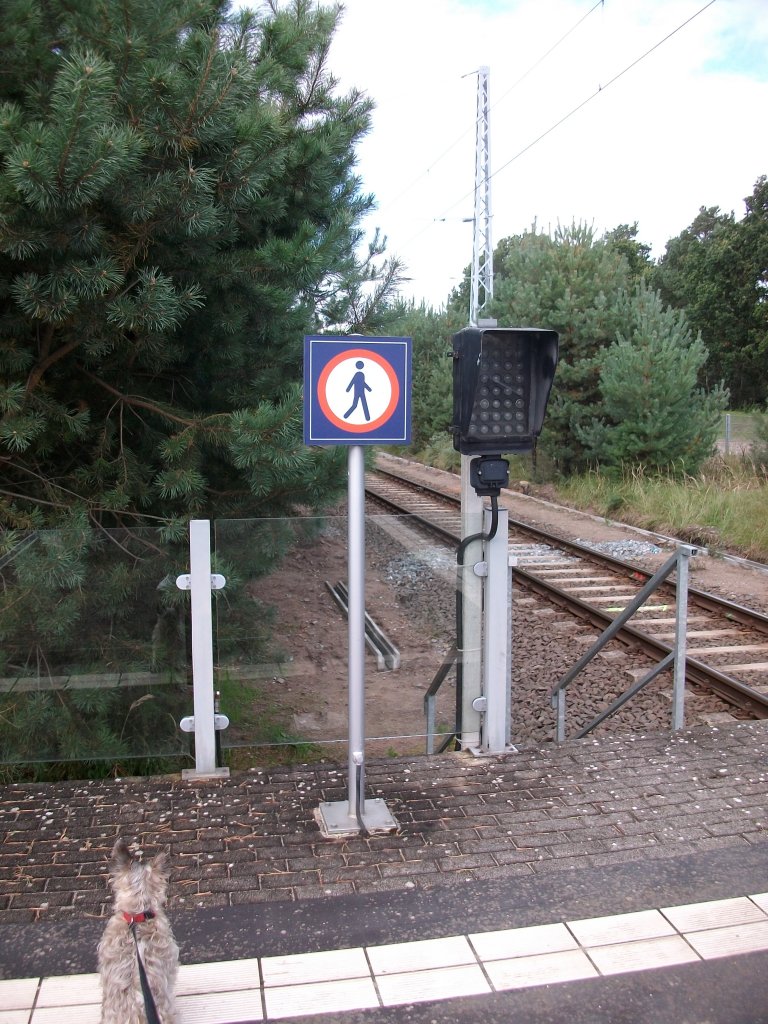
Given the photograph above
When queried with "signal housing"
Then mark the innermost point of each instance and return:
(502, 377)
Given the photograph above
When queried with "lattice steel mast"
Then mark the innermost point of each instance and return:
(482, 246)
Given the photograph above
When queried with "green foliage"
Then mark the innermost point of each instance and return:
(614, 335)
(91, 724)
(760, 447)
(93, 652)
(623, 241)
(440, 453)
(432, 391)
(716, 271)
(575, 284)
(654, 415)
(178, 206)
(725, 501)
(77, 600)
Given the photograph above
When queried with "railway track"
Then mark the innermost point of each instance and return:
(727, 644)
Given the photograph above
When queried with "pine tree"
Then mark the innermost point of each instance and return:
(178, 206)
(431, 394)
(623, 381)
(654, 415)
(717, 270)
(571, 283)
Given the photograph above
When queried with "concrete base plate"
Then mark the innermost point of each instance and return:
(334, 818)
(480, 752)
(193, 775)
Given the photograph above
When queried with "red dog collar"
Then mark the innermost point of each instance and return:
(145, 915)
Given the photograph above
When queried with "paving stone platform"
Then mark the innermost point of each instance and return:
(254, 837)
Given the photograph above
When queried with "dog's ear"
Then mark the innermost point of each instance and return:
(121, 855)
(161, 865)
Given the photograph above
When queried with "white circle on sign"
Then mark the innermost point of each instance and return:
(358, 391)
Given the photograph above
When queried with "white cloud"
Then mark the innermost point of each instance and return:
(682, 129)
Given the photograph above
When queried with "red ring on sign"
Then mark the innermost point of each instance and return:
(358, 353)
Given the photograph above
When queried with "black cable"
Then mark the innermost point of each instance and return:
(584, 102)
(532, 68)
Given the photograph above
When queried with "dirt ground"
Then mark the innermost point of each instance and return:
(305, 685)
(410, 587)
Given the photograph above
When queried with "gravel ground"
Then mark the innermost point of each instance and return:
(546, 644)
(411, 594)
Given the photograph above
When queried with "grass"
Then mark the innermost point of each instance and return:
(722, 508)
(258, 732)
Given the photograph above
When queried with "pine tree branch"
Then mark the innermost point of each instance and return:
(49, 485)
(28, 497)
(38, 372)
(205, 75)
(194, 117)
(44, 340)
(71, 138)
(141, 403)
(315, 81)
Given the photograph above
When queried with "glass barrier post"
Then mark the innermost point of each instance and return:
(200, 582)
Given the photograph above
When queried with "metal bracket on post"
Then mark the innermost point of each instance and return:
(200, 582)
(187, 724)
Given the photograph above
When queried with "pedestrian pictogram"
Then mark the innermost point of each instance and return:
(357, 390)
(360, 386)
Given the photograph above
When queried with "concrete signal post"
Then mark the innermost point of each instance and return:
(502, 377)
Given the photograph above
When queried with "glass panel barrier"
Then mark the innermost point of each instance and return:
(282, 636)
(93, 662)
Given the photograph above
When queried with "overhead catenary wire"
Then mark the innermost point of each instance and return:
(515, 84)
(580, 106)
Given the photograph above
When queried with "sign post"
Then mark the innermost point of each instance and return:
(356, 393)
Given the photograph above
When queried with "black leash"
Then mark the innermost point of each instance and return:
(149, 1001)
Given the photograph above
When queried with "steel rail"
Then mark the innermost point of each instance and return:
(729, 689)
(707, 602)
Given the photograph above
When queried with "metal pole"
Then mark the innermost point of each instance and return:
(356, 589)
(511, 565)
(481, 294)
(681, 628)
(356, 815)
(482, 248)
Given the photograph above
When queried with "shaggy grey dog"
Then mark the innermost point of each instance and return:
(139, 920)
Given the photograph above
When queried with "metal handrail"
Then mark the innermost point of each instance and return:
(676, 657)
(429, 699)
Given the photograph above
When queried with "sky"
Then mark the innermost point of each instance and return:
(685, 127)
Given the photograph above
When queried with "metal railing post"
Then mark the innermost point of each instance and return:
(684, 553)
(560, 715)
(431, 695)
(676, 658)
